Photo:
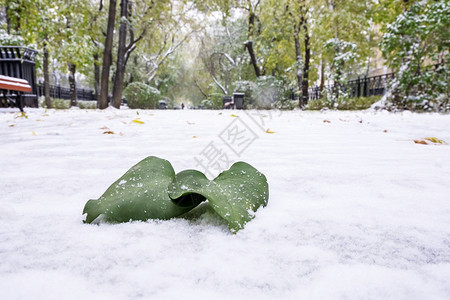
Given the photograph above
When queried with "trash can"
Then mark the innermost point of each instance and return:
(226, 100)
(162, 104)
(238, 100)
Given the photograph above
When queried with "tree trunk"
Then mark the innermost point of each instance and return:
(72, 85)
(305, 83)
(322, 76)
(48, 102)
(120, 67)
(96, 77)
(298, 57)
(251, 52)
(107, 56)
(249, 43)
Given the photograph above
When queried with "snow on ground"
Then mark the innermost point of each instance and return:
(357, 210)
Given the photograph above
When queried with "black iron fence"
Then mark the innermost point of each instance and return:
(360, 87)
(60, 92)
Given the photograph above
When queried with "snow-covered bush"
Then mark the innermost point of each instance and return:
(265, 93)
(246, 87)
(355, 103)
(7, 39)
(65, 104)
(141, 95)
(269, 90)
(344, 54)
(215, 101)
(206, 104)
(417, 47)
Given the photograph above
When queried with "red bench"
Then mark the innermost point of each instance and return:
(12, 89)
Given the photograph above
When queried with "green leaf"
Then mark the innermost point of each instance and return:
(235, 194)
(141, 194)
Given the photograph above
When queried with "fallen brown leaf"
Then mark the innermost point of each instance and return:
(420, 142)
(108, 132)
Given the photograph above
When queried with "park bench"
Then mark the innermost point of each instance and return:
(12, 90)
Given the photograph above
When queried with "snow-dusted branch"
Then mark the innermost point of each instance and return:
(227, 56)
(158, 59)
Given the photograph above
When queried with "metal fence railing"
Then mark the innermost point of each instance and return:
(60, 92)
(360, 87)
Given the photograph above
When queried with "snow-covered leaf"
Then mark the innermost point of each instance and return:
(140, 194)
(235, 194)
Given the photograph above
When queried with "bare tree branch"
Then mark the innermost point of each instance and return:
(227, 56)
(200, 89)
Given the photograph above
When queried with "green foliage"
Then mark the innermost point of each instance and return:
(417, 48)
(87, 104)
(55, 103)
(65, 104)
(7, 39)
(285, 104)
(248, 88)
(151, 190)
(357, 103)
(216, 101)
(141, 95)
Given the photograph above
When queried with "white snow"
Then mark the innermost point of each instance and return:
(357, 210)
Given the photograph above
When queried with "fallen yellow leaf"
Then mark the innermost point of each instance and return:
(234, 116)
(138, 122)
(194, 137)
(33, 133)
(268, 131)
(430, 141)
(20, 115)
(436, 140)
